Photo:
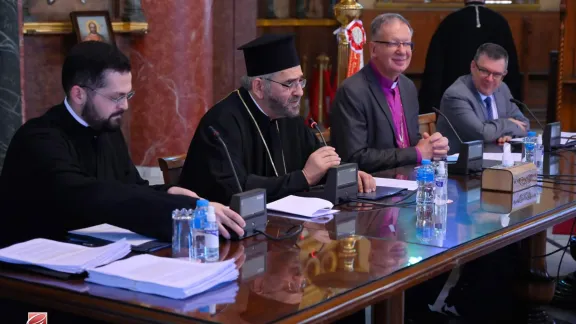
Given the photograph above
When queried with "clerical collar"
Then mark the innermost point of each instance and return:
(257, 104)
(382, 80)
(474, 3)
(71, 111)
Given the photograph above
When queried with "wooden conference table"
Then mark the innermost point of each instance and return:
(365, 255)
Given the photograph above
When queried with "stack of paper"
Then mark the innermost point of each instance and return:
(167, 277)
(302, 206)
(63, 257)
(112, 233)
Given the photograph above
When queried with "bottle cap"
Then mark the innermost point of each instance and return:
(531, 134)
(202, 203)
(425, 162)
(539, 139)
(210, 215)
(507, 159)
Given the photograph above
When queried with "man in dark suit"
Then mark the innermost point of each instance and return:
(478, 104)
(375, 112)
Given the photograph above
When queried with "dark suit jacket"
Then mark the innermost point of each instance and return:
(362, 128)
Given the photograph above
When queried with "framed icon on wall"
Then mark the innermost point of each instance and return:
(92, 26)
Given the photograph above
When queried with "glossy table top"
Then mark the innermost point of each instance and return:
(362, 252)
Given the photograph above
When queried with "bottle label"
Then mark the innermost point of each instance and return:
(439, 184)
(211, 238)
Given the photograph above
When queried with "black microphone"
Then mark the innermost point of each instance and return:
(314, 125)
(449, 123)
(217, 135)
(518, 102)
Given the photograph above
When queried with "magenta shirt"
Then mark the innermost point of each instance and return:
(392, 93)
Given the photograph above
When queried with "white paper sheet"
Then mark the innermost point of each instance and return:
(489, 156)
(517, 157)
(395, 183)
(302, 206)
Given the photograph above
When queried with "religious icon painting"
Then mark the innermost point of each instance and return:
(92, 26)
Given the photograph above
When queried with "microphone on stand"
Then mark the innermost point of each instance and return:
(471, 153)
(520, 103)
(449, 123)
(217, 135)
(314, 125)
(250, 205)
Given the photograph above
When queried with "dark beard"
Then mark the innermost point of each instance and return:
(91, 117)
(281, 109)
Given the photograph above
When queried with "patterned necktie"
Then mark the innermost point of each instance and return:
(488, 102)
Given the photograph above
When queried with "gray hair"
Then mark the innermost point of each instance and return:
(387, 18)
(493, 51)
(246, 81)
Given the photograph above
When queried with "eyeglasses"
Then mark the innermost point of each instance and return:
(486, 73)
(396, 45)
(292, 84)
(117, 100)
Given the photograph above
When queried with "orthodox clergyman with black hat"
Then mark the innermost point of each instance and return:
(269, 143)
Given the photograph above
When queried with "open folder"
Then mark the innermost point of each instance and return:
(302, 206)
(105, 233)
(63, 257)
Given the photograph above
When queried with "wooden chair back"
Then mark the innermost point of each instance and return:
(427, 123)
(171, 167)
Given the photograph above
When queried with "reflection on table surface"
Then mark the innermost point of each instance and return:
(360, 244)
(471, 214)
(277, 278)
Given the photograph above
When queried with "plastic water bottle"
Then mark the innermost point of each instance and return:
(539, 154)
(529, 146)
(199, 237)
(441, 183)
(182, 239)
(211, 236)
(425, 180)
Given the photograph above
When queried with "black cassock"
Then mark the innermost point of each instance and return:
(453, 46)
(59, 175)
(247, 131)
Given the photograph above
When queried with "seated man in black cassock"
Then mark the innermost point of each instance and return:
(270, 145)
(70, 168)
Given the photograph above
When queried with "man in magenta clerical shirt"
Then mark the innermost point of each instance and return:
(375, 112)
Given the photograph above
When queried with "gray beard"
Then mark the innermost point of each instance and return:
(282, 110)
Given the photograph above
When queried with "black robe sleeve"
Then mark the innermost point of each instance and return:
(72, 193)
(132, 174)
(220, 176)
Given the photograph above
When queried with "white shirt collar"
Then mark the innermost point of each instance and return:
(71, 111)
(483, 97)
(256, 103)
